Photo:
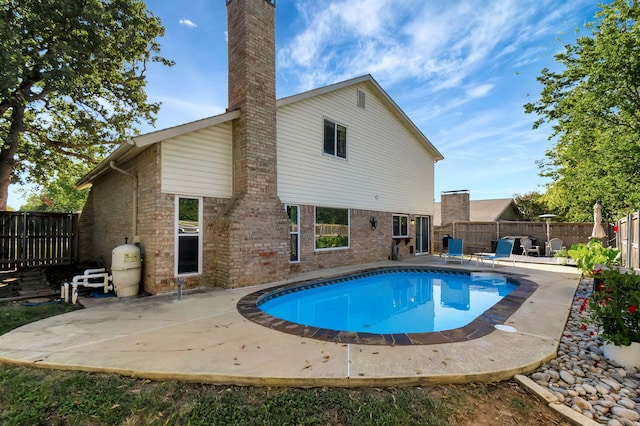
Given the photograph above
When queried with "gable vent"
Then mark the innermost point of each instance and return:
(361, 98)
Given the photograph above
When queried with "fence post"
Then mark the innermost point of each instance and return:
(23, 253)
(636, 233)
(628, 240)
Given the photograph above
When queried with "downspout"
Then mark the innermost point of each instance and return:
(136, 237)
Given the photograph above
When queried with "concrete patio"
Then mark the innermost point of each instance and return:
(203, 338)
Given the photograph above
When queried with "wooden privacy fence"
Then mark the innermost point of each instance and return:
(32, 239)
(333, 230)
(478, 236)
(629, 239)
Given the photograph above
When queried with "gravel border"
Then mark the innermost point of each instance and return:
(580, 383)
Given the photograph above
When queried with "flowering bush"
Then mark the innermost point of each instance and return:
(615, 307)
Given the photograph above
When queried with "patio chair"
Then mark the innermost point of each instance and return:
(503, 251)
(454, 251)
(528, 248)
(555, 245)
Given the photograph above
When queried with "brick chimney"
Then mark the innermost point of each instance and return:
(252, 89)
(454, 206)
(253, 236)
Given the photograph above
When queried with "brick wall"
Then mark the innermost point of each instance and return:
(251, 236)
(106, 219)
(366, 245)
(251, 245)
(108, 216)
(455, 207)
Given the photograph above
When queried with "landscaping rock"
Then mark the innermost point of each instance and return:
(582, 379)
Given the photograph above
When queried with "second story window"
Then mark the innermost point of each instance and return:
(335, 139)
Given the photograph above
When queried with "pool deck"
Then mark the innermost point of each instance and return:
(203, 338)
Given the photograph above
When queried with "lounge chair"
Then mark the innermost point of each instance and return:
(554, 245)
(503, 251)
(454, 251)
(527, 247)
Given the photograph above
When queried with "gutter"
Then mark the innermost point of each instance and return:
(136, 237)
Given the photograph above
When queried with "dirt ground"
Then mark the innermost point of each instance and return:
(504, 403)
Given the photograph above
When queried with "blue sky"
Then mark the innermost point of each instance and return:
(460, 69)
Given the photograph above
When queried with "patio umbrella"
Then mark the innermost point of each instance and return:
(598, 230)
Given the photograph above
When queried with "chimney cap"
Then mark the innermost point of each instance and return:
(457, 191)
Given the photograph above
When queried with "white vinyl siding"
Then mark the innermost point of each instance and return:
(388, 166)
(199, 163)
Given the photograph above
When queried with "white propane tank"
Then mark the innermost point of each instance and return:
(126, 268)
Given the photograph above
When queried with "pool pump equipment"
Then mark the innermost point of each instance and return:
(126, 267)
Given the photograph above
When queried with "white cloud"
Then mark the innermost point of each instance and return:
(187, 23)
(435, 44)
(479, 91)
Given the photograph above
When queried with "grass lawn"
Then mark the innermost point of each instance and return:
(15, 314)
(32, 396)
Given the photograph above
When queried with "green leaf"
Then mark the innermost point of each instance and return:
(72, 83)
(593, 107)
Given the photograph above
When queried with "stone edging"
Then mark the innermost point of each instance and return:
(552, 402)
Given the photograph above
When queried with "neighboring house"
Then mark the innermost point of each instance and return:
(500, 209)
(331, 177)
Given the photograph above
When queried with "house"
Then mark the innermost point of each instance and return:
(455, 206)
(330, 177)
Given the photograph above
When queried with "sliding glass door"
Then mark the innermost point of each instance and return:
(423, 234)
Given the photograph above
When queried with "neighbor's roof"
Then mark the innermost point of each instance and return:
(484, 210)
(129, 149)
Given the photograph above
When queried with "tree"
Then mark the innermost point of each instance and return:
(593, 106)
(58, 195)
(532, 204)
(72, 83)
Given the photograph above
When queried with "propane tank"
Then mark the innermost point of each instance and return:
(126, 269)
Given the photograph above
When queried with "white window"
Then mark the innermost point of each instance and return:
(294, 233)
(400, 225)
(335, 139)
(188, 241)
(332, 228)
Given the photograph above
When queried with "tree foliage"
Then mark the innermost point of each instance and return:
(533, 204)
(59, 194)
(593, 106)
(72, 82)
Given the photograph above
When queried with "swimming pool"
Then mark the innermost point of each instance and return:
(391, 302)
(397, 306)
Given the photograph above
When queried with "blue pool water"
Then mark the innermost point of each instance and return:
(392, 302)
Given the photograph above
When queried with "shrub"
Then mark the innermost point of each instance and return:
(587, 256)
(615, 307)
